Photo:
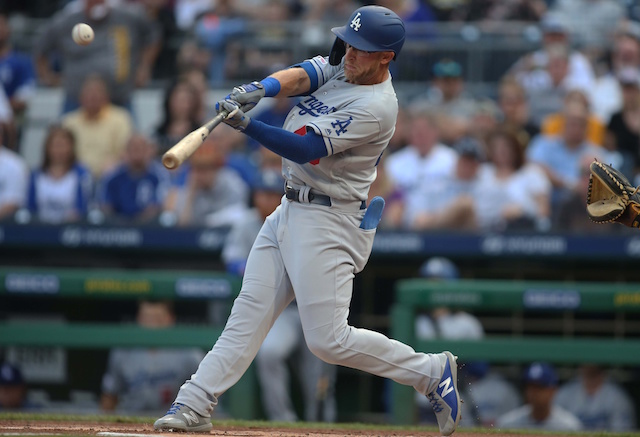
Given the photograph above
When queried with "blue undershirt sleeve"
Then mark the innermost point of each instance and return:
(311, 72)
(297, 148)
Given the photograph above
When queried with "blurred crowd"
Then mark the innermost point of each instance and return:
(515, 157)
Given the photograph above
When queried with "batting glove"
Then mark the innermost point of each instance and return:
(247, 95)
(236, 118)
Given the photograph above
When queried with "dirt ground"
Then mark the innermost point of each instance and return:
(33, 427)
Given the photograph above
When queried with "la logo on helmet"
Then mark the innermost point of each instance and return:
(355, 23)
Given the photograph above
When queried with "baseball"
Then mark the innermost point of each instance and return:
(82, 34)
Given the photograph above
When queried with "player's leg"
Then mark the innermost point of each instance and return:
(329, 250)
(266, 291)
(271, 363)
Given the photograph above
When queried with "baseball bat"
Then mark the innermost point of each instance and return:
(180, 152)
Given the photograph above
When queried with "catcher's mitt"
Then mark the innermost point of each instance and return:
(611, 197)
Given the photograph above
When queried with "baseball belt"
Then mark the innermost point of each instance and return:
(304, 195)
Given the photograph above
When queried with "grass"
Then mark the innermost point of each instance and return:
(255, 424)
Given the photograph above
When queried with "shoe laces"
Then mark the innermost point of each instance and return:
(174, 408)
(435, 402)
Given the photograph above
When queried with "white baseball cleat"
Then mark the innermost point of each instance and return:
(445, 399)
(182, 418)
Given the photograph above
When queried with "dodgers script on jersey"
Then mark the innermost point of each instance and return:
(356, 123)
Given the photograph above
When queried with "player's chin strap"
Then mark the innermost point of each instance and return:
(303, 194)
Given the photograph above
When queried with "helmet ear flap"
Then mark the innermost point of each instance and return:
(337, 52)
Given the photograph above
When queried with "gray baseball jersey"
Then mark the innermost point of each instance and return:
(312, 252)
(356, 123)
(610, 408)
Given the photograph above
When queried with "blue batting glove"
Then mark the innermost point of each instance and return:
(236, 118)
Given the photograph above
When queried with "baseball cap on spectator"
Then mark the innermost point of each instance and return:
(439, 268)
(629, 76)
(10, 375)
(470, 147)
(542, 374)
(269, 180)
(447, 68)
(552, 24)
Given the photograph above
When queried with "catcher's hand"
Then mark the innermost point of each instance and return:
(611, 197)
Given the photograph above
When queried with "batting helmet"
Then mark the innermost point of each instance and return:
(371, 29)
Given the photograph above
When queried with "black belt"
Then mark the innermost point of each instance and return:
(319, 199)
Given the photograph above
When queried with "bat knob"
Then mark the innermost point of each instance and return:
(169, 161)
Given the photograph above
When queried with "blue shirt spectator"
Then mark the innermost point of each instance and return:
(134, 191)
(17, 74)
(560, 156)
(60, 190)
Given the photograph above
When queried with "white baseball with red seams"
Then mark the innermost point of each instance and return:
(82, 34)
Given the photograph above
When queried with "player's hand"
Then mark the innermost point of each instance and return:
(236, 118)
(247, 95)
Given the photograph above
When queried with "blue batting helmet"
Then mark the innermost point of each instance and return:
(371, 29)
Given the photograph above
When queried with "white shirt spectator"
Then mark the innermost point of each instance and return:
(14, 177)
(558, 420)
(454, 326)
(609, 408)
(493, 195)
(419, 177)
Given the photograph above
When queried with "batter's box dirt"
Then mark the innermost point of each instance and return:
(100, 426)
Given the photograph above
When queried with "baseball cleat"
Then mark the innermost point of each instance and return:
(182, 418)
(445, 399)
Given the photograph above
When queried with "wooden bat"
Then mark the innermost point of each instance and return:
(179, 153)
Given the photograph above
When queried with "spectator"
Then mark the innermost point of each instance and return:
(14, 179)
(443, 322)
(625, 54)
(623, 130)
(591, 21)
(485, 119)
(455, 107)
(553, 124)
(499, 11)
(181, 115)
(533, 69)
(60, 191)
(135, 190)
(17, 74)
(216, 30)
(161, 13)
(599, 402)
(141, 379)
(400, 136)
(548, 98)
(198, 81)
(213, 194)
(541, 383)
(187, 11)
(101, 129)
(285, 340)
(488, 394)
(571, 214)
(560, 156)
(123, 51)
(514, 104)
(448, 203)
(424, 161)
(13, 390)
(512, 194)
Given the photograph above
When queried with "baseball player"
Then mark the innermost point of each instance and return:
(321, 235)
